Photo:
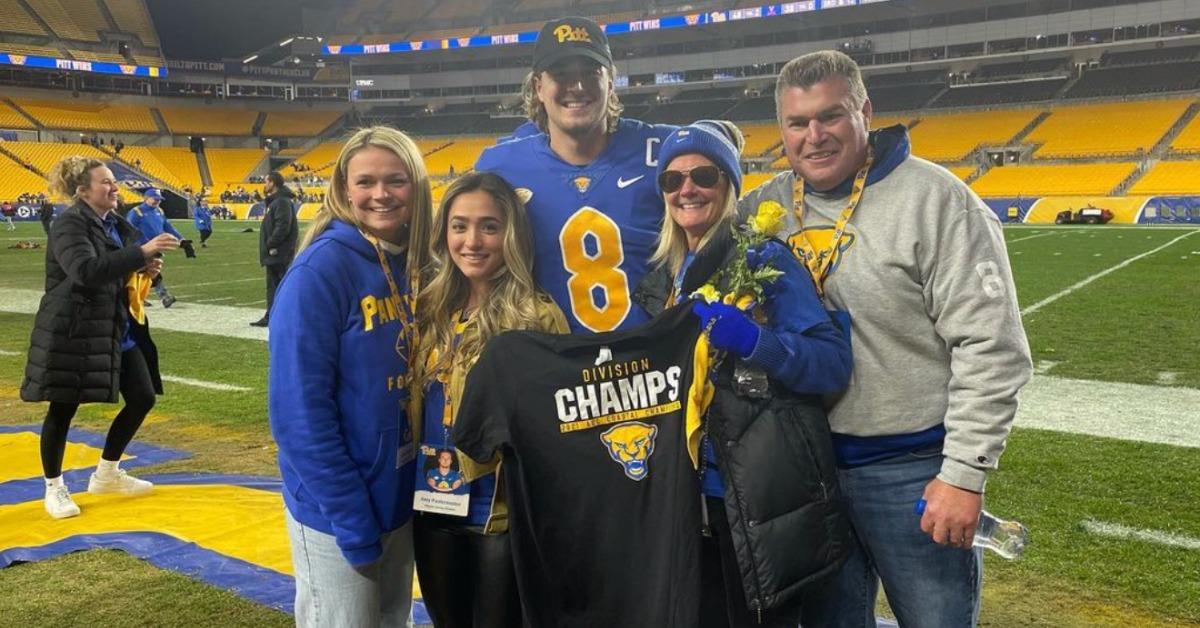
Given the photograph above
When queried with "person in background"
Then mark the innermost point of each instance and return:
(481, 285)
(90, 338)
(202, 218)
(338, 392)
(768, 481)
(8, 211)
(277, 237)
(150, 220)
(46, 214)
(913, 263)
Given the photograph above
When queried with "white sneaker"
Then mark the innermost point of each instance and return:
(120, 483)
(59, 503)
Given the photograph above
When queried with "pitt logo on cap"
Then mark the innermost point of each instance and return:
(565, 33)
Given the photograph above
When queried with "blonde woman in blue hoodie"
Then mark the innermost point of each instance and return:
(341, 331)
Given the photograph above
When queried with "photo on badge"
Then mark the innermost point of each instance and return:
(440, 486)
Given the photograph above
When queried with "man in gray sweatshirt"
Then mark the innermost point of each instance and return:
(913, 264)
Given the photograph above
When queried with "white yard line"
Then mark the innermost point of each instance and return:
(199, 383)
(1043, 366)
(1036, 235)
(1079, 284)
(196, 318)
(10, 353)
(1158, 537)
(215, 300)
(1167, 378)
(1137, 412)
(219, 283)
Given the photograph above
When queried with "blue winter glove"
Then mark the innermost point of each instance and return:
(731, 329)
(766, 255)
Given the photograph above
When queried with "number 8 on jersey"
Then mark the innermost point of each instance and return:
(599, 267)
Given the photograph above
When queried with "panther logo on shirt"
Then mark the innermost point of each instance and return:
(630, 445)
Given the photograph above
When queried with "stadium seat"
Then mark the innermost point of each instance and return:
(80, 115)
(298, 123)
(173, 165)
(231, 166)
(1096, 179)
(208, 121)
(1169, 177)
(71, 19)
(132, 17)
(1188, 140)
(951, 137)
(1113, 129)
(16, 19)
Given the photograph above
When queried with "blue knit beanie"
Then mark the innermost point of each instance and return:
(711, 138)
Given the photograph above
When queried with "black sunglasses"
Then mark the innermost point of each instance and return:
(706, 177)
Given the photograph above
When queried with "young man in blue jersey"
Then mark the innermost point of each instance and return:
(151, 221)
(587, 179)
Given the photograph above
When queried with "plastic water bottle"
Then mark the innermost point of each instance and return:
(1006, 538)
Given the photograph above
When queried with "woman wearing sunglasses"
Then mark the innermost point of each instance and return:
(772, 519)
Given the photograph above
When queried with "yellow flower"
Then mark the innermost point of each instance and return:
(727, 299)
(708, 292)
(768, 219)
(745, 302)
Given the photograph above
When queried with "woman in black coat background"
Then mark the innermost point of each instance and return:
(86, 346)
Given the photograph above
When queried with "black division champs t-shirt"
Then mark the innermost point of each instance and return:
(603, 497)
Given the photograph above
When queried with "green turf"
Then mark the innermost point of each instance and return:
(1125, 327)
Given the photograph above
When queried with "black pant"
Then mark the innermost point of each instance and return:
(467, 577)
(204, 235)
(137, 390)
(274, 276)
(723, 601)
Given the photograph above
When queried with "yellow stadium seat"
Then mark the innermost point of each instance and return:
(173, 165)
(71, 19)
(951, 137)
(298, 123)
(78, 115)
(208, 121)
(43, 155)
(231, 166)
(461, 152)
(16, 19)
(132, 17)
(1170, 177)
(16, 180)
(1095, 179)
(320, 159)
(1188, 140)
(1112, 129)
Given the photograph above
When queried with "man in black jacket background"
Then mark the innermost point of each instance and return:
(277, 238)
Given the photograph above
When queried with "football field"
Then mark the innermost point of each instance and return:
(1102, 466)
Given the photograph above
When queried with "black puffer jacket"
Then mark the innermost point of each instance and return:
(280, 231)
(785, 512)
(75, 348)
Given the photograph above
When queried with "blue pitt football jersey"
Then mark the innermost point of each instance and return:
(594, 226)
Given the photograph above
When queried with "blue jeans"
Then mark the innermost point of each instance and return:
(927, 585)
(331, 593)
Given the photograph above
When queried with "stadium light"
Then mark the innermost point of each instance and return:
(286, 41)
(249, 59)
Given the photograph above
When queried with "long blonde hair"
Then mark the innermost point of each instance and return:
(337, 195)
(512, 302)
(71, 173)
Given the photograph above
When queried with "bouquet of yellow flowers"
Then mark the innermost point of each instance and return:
(744, 287)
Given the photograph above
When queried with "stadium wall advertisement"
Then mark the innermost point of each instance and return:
(97, 67)
(1129, 210)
